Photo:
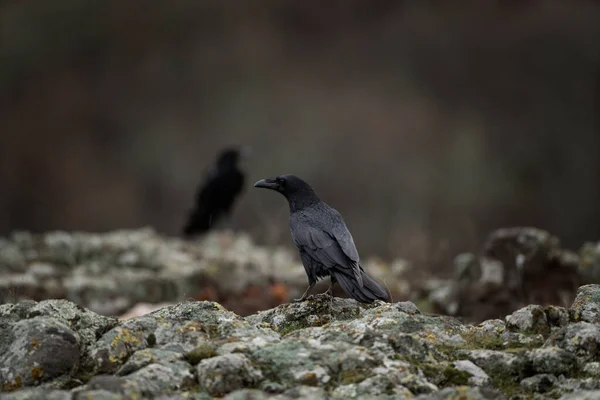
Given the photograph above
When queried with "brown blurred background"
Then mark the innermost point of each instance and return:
(427, 124)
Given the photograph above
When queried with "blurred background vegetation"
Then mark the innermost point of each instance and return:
(427, 124)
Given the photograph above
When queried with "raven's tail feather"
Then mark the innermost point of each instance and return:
(369, 292)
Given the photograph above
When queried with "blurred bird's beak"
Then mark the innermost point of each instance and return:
(267, 184)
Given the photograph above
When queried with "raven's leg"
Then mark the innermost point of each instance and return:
(305, 295)
(329, 291)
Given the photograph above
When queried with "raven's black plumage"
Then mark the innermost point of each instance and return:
(325, 243)
(217, 193)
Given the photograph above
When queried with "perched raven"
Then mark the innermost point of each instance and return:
(217, 193)
(325, 243)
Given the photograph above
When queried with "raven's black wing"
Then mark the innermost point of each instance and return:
(316, 232)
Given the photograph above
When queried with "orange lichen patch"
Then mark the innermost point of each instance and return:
(34, 343)
(10, 386)
(37, 373)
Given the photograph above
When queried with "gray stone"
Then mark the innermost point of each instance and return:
(37, 394)
(322, 310)
(154, 379)
(223, 374)
(35, 350)
(539, 383)
(141, 358)
(551, 360)
(464, 392)
(586, 306)
(198, 350)
(583, 340)
(592, 369)
(582, 395)
(557, 316)
(497, 362)
(478, 376)
(530, 319)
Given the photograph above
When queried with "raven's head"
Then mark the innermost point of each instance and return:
(230, 156)
(288, 185)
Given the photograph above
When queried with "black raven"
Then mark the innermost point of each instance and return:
(325, 243)
(217, 193)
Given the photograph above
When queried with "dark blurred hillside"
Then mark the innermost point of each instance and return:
(426, 124)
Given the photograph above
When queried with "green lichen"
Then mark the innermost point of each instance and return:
(445, 374)
(477, 340)
(353, 376)
(14, 385)
(37, 373)
(203, 351)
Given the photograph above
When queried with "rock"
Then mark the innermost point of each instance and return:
(530, 319)
(223, 374)
(154, 379)
(539, 383)
(520, 340)
(497, 362)
(112, 272)
(300, 393)
(557, 316)
(36, 350)
(477, 377)
(581, 339)
(339, 350)
(589, 267)
(517, 266)
(322, 310)
(463, 392)
(582, 395)
(592, 369)
(586, 306)
(551, 360)
(37, 394)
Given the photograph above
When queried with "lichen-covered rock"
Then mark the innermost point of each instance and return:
(586, 306)
(517, 266)
(154, 379)
(110, 273)
(582, 395)
(339, 350)
(37, 394)
(557, 316)
(223, 374)
(297, 393)
(497, 362)
(539, 383)
(590, 262)
(592, 369)
(551, 360)
(530, 319)
(464, 392)
(581, 339)
(322, 310)
(477, 377)
(36, 350)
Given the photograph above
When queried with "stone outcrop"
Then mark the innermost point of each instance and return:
(516, 267)
(324, 348)
(112, 272)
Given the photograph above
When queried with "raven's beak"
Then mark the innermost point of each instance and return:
(267, 184)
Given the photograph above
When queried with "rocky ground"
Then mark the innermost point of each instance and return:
(112, 272)
(325, 348)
